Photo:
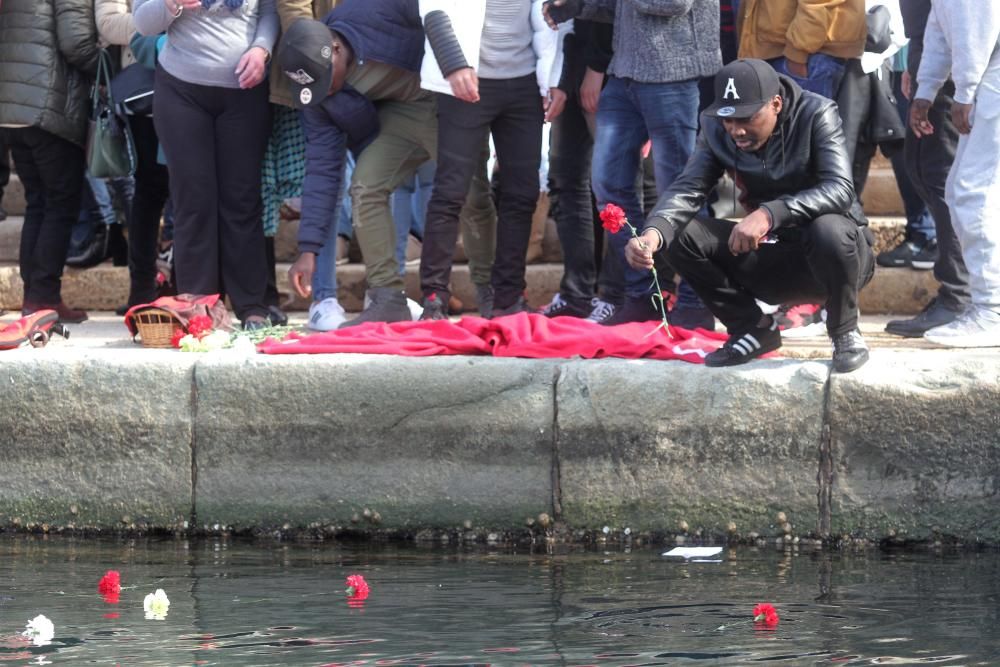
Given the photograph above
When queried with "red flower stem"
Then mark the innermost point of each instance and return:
(656, 282)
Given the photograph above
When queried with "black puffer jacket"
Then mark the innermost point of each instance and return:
(801, 173)
(48, 55)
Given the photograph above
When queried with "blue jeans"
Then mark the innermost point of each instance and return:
(919, 223)
(825, 74)
(409, 208)
(324, 281)
(628, 114)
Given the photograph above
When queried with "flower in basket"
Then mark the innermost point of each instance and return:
(613, 218)
(110, 586)
(156, 605)
(39, 630)
(357, 588)
(175, 340)
(765, 613)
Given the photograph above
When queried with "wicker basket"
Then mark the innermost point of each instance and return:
(156, 327)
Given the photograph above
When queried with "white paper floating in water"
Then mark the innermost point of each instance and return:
(694, 552)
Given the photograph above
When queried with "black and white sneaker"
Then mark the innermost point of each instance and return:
(741, 347)
(601, 310)
(560, 307)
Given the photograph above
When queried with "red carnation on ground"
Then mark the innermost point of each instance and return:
(357, 588)
(766, 614)
(613, 218)
(200, 326)
(175, 340)
(110, 586)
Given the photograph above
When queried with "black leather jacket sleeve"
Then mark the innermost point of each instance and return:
(444, 43)
(687, 194)
(834, 189)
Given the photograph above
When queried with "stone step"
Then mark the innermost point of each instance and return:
(881, 196)
(105, 287)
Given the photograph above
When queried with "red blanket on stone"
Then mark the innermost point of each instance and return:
(522, 335)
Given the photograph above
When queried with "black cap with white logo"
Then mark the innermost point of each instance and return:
(742, 87)
(304, 59)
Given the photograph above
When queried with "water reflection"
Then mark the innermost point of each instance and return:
(242, 603)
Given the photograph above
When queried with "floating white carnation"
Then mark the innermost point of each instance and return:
(40, 630)
(215, 340)
(156, 605)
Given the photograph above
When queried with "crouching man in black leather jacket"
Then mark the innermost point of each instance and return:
(806, 239)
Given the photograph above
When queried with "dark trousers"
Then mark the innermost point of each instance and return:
(4, 165)
(51, 170)
(570, 150)
(512, 110)
(152, 187)
(830, 261)
(928, 161)
(214, 139)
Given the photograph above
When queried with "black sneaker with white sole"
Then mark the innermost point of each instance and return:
(744, 346)
(560, 307)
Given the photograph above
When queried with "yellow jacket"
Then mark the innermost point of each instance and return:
(798, 28)
(288, 11)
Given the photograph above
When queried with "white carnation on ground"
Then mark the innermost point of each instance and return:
(40, 630)
(156, 605)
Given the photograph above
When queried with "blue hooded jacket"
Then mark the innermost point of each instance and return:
(385, 31)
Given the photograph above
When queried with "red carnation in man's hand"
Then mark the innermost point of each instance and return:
(613, 218)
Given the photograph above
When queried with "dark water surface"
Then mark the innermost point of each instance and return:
(269, 603)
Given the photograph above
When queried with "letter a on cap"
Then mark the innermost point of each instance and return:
(730, 92)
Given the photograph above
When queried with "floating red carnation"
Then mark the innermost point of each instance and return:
(175, 340)
(110, 586)
(613, 218)
(765, 613)
(200, 326)
(357, 588)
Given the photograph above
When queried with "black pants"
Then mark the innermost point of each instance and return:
(214, 139)
(569, 173)
(512, 110)
(4, 166)
(152, 187)
(830, 261)
(51, 170)
(928, 161)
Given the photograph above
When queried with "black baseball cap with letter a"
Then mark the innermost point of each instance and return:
(742, 87)
(304, 59)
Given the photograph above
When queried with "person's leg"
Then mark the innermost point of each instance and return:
(973, 194)
(183, 115)
(478, 222)
(151, 191)
(462, 128)
(621, 132)
(51, 170)
(840, 259)
(392, 158)
(4, 173)
(402, 215)
(929, 161)
(241, 134)
(569, 174)
(517, 133)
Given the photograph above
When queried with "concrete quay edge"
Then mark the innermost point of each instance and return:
(135, 440)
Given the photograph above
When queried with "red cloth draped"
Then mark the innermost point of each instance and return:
(522, 335)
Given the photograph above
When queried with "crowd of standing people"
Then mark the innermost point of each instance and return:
(363, 104)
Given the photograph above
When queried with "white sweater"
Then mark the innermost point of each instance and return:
(467, 20)
(962, 38)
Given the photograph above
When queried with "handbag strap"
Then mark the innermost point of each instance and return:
(103, 78)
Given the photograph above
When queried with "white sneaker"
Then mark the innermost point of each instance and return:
(325, 315)
(600, 310)
(416, 310)
(976, 327)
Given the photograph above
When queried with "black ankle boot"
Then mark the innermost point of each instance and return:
(117, 245)
(94, 253)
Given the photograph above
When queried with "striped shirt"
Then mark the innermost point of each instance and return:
(505, 51)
